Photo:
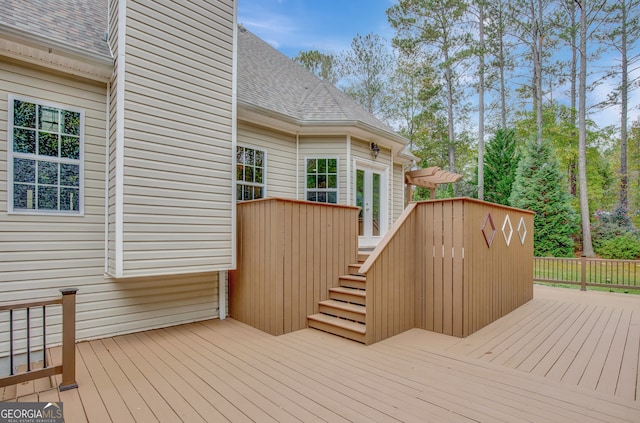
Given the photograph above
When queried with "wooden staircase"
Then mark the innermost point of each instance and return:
(344, 313)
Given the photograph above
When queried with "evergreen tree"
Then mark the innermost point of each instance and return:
(500, 165)
(538, 187)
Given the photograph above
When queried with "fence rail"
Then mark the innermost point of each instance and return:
(68, 366)
(585, 272)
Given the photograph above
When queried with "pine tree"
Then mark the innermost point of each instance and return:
(500, 165)
(538, 187)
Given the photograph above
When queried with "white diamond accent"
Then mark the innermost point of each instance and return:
(506, 227)
(522, 230)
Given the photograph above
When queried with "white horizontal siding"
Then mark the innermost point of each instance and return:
(177, 142)
(398, 192)
(39, 254)
(281, 157)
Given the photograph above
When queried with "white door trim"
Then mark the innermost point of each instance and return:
(383, 170)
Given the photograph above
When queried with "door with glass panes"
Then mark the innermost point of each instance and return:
(371, 194)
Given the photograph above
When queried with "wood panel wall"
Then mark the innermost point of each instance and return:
(289, 254)
(434, 270)
(391, 280)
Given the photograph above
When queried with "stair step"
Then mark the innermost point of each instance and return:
(350, 295)
(362, 257)
(344, 310)
(353, 281)
(354, 269)
(337, 326)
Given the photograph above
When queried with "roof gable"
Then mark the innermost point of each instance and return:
(79, 24)
(270, 80)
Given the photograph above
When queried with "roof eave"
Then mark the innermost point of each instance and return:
(77, 61)
(290, 124)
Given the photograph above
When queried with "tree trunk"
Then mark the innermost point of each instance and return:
(481, 102)
(624, 107)
(451, 125)
(587, 247)
(538, 72)
(573, 189)
(501, 60)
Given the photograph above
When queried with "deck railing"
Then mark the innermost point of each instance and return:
(450, 266)
(289, 254)
(68, 366)
(586, 272)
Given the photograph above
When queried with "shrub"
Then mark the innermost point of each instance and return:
(623, 247)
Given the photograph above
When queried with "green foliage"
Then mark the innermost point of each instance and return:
(500, 164)
(623, 247)
(614, 234)
(538, 187)
(322, 65)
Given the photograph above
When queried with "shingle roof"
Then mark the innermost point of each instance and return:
(270, 80)
(76, 23)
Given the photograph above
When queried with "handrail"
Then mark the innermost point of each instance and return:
(387, 238)
(68, 366)
(587, 271)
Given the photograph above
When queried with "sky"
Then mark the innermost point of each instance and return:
(329, 26)
(326, 25)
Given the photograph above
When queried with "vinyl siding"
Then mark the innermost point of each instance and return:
(398, 192)
(324, 147)
(281, 157)
(176, 200)
(39, 254)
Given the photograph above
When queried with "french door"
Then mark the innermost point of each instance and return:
(371, 197)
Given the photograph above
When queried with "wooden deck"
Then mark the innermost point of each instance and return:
(564, 356)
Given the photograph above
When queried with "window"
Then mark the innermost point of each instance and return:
(250, 175)
(45, 169)
(322, 180)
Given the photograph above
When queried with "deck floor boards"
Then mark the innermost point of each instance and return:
(564, 356)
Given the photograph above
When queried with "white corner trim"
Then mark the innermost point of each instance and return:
(106, 178)
(349, 199)
(297, 166)
(234, 135)
(119, 152)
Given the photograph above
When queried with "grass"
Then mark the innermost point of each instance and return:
(591, 288)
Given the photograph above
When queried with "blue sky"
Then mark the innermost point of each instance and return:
(325, 25)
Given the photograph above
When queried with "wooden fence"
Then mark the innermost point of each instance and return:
(68, 366)
(450, 266)
(586, 272)
(289, 254)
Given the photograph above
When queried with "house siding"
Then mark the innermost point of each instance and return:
(281, 157)
(39, 254)
(172, 206)
(398, 191)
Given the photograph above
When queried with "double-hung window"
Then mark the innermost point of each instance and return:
(45, 158)
(322, 180)
(250, 173)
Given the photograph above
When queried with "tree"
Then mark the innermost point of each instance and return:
(587, 246)
(538, 187)
(320, 64)
(623, 34)
(366, 67)
(500, 166)
(435, 26)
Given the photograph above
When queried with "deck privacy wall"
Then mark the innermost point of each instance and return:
(465, 263)
(289, 254)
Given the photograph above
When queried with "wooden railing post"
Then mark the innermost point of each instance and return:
(68, 339)
(583, 273)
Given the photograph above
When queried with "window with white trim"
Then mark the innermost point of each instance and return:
(322, 180)
(250, 174)
(45, 158)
